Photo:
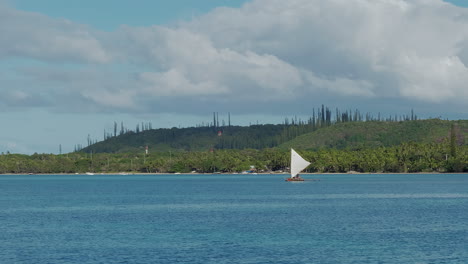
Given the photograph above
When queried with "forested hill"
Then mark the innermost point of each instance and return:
(197, 139)
(376, 134)
(301, 135)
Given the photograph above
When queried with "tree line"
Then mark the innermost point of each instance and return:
(405, 158)
(219, 134)
(236, 137)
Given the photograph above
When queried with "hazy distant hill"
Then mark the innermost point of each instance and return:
(375, 134)
(301, 136)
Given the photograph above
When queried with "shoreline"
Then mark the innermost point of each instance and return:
(260, 173)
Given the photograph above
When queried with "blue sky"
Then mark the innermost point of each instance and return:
(462, 3)
(110, 14)
(72, 68)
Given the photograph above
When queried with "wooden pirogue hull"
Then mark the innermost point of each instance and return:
(300, 180)
(294, 179)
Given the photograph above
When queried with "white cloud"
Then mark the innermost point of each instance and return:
(268, 50)
(17, 98)
(33, 35)
(364, 39)
(433, 79)
(175, 83)
(188, 64)
(343, 86)
(18, 95)
(119, 99)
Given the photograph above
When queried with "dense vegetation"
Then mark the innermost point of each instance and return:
(377, 134)
(311, 135)
(348, 142)
(446, 156)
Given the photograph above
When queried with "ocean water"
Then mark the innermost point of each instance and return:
(233, 219)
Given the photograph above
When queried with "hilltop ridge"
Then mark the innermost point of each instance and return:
(368, 134)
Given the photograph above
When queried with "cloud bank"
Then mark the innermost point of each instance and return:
(264, 55)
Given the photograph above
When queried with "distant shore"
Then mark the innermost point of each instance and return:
(240, 174)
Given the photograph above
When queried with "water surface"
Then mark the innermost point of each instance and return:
(233, 219)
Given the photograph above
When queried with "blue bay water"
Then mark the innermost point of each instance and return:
(233, 219)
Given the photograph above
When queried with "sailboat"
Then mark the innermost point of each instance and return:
(297, 165)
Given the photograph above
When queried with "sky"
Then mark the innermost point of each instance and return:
(69, 69)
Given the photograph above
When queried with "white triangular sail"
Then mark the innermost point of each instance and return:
(297, 163)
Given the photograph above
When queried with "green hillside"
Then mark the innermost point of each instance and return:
(194, 139)
(357, 135)
(355, 146)
(349, 135)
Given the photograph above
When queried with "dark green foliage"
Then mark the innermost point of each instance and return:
(199, 139)
(407, 157)
(352, 142)
(357, 135)
(453, 139)
(347, 131)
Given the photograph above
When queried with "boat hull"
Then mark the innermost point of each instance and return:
(294, 179)
(300, 180)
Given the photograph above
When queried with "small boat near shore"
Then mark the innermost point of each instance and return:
(297, 165)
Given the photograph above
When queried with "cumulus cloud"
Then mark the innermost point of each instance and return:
(268, 51)
(187, 63)
(33, 35)
(11, 99)
(433, 79)
(368, 47)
